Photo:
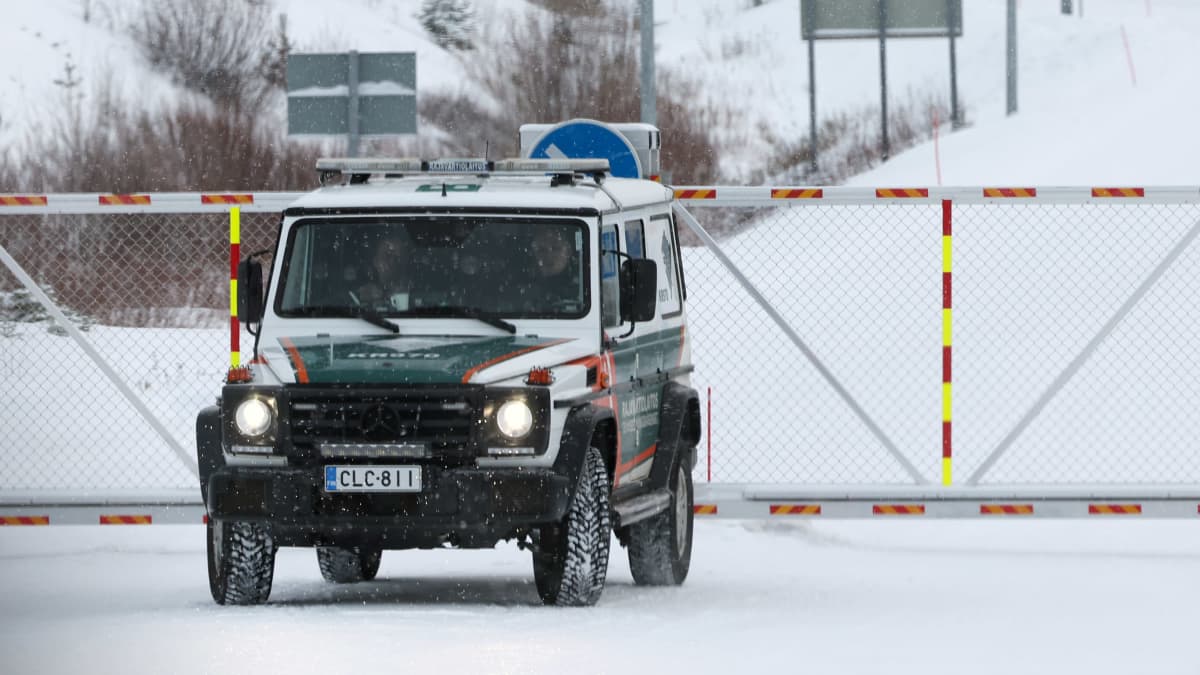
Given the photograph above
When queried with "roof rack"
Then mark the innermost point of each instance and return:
(359, 170)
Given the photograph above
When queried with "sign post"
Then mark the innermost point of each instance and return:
(373, 94)
(882, 19)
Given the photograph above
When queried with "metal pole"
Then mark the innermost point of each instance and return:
(887, 151)
(952, 14)
(648, 91)
(1011, 59)
(1078, 362)
(352, 143)
(103, 365)
(812, 108)
(806, 22)
(841, 391)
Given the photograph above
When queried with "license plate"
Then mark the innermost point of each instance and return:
(372, 478)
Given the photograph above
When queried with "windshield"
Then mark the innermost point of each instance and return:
(447, 266)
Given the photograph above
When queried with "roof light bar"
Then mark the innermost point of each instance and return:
(550, 165)
(362, 165)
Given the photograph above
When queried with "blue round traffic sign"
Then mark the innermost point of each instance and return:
(589, 139)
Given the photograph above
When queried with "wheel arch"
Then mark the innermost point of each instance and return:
(678, 432)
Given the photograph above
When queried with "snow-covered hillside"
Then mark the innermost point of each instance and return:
(1081, 119)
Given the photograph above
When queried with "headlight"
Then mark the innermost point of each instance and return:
(514, 418)
(253, 417)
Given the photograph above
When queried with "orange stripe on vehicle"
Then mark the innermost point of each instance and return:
(806, 193)
(509, 356)
(626, 467)
(227, 199)
(115, 200)
(125, 520)
(1114, 509)
(704, 509)
(22, 200)
(1009, 192)
(1118, 192)
(901, 193)
(695, 194)
(24, 520)
(898, 509)
(795, 509)
(297, 361)
(1006, 509)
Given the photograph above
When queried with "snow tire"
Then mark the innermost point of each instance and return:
(348, 565)
(241, 562)
(660, 547)
(570, 563)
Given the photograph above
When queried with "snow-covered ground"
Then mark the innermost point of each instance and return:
(845, 597)
(842, 596)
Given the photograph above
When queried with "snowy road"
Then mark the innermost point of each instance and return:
(832, 597)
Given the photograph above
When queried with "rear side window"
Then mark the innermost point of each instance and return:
(660, 247)
(610, 287)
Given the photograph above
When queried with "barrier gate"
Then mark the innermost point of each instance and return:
(860, 352)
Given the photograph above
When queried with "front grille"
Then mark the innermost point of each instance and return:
(439, 420)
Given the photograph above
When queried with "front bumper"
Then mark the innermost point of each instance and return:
(466, 507)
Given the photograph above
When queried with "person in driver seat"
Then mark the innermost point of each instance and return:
(389, 283)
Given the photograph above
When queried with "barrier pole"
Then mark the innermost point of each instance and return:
(235, 330)
(947, 341)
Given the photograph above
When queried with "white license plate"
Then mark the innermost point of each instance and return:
(362, 478)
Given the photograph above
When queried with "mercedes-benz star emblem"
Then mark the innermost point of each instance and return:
(381, 423)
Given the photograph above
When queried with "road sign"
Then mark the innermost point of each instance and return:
(355, 94)
(589, 139)
(838, 19)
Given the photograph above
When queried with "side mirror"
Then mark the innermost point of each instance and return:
(639, 290)
(250, 291)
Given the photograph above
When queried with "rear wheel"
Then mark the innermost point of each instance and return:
(241, 562)
(348, 565)
(570, 562)
(660, 547)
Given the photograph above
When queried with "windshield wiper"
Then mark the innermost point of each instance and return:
(458, 311)
(366, 314)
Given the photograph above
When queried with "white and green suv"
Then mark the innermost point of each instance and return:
(456, 353)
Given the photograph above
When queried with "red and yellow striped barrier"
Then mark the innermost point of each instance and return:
(898, 509)
(901, 193)
(1006, 509)
(695, 194)
(226, 198)
(22, 200)
(119, 519)
(795, 509)
(124, 200)
(803, 193)
(1114, 509)
(1118, 192)
(704, 509)
(24, 520)
(1009, 192)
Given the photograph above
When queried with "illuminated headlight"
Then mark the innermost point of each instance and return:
(514, 418)
(253, 417)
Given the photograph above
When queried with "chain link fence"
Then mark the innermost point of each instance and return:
(857, 278)
(861, 283)
(151, 293)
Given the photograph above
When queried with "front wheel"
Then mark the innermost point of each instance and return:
(660, 547)
(570, 563)
(348, 565)
(241, 562)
